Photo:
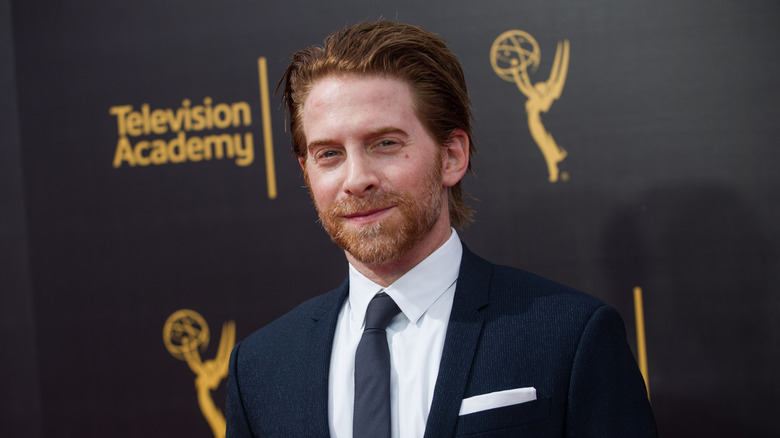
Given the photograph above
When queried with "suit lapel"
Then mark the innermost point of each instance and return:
(322, 329)
(460, 344)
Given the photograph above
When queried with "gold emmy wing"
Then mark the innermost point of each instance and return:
(511, 55)
(185, 333)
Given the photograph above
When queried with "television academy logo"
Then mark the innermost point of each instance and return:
(194, 132)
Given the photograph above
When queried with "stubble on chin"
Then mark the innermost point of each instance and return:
(385, 241)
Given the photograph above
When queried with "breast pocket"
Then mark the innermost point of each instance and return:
(504, 422)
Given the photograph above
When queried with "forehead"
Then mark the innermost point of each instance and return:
(355, 83)
(353, 100)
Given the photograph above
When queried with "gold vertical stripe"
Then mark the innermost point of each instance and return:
(639, 315)
(270, 168)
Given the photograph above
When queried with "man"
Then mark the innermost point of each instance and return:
(380, 123)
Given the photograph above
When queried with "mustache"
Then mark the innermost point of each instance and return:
(371, 201)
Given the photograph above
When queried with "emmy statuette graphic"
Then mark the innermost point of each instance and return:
(511, 55)
(185, 335)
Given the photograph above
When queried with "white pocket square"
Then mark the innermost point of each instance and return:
(498, 399)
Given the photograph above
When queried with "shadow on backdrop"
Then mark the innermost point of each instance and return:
(709, 275)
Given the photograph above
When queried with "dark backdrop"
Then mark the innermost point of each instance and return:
(669, 116)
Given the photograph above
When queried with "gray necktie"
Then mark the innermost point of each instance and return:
(372, 372)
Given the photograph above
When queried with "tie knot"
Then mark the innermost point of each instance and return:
(380, 311)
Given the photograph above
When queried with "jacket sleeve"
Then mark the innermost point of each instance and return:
(235, 415)
(607, 394)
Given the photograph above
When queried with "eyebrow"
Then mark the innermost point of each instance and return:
(386, 130)
(372, 134)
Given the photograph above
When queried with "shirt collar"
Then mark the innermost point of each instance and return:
(416, 290)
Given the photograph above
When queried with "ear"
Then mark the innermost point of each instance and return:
(302, 162)
(455, 158)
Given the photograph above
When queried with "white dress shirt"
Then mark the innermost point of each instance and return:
(415, 338)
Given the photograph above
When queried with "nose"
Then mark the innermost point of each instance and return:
(361, 176)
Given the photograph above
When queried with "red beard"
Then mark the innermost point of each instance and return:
(385, 241)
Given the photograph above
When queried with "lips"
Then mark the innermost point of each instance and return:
(366, 214)
(373, 206)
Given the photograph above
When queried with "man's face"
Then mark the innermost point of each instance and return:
(374, 172)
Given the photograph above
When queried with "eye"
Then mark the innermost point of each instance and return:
(326, 155)
(386, 145)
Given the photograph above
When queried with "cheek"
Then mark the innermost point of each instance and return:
(412, 173)
(324, 188)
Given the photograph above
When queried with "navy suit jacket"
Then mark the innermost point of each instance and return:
(508, 329)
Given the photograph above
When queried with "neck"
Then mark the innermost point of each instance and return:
(386, 274)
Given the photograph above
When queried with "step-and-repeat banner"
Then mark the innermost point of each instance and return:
(155, 216)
